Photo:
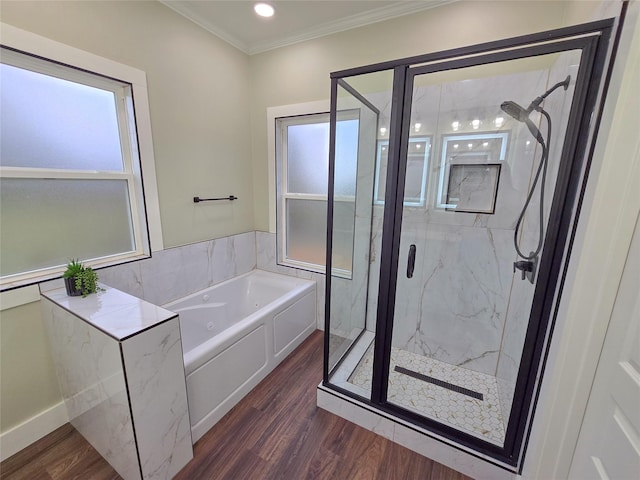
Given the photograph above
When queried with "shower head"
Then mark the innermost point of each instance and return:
(522, 115)
(515, 110)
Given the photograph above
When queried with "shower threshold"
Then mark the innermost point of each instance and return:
(452, 395)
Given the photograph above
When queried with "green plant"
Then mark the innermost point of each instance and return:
(84, 279)
(74, 267)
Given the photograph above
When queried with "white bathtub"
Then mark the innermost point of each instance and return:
(235, 333)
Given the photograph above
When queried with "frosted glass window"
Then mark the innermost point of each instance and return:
(70, 174)
(48, 122)
(308, 157)
(303, 171)
(343, 224)
(306, 230)
(346, 157)
(44, 223)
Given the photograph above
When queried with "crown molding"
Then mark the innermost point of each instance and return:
(353, 21)
(188, 13)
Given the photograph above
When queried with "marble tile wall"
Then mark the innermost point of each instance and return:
(120, 368)
(558, 105)
(454, 309)
(175, 272)
(155, 375)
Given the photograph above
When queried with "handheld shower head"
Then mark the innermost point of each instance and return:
(522, 115)
(516, 111)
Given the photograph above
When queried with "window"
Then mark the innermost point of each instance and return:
(302, 159)
(70, 173)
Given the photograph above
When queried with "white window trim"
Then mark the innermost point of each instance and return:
(273, 113)
(22, 40)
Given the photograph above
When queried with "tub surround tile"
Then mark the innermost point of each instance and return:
(126, 277)
(98, 342)
(162, 276)
(175, 272)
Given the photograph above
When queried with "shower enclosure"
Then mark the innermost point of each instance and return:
(433, 316)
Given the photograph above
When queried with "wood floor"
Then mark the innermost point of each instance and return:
(275, 432)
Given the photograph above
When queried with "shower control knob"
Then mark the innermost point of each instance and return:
(525, 266)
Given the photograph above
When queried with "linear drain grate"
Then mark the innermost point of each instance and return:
(440, 383)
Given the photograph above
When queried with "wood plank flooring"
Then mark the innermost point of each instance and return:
(275, 432)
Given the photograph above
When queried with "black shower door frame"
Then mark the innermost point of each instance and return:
(593, 40)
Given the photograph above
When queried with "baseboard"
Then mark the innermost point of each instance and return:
(23, 435)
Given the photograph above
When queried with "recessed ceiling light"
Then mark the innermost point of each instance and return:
(264, 9)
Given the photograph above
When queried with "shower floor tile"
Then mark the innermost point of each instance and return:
(481, 418)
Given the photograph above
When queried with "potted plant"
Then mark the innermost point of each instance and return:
(80, 280)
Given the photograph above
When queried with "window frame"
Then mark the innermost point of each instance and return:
(134, 126)
(282, 188)
(282, 193)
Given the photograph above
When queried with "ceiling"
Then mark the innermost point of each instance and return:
(294, 21)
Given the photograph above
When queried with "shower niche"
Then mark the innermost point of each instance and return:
(468, 175)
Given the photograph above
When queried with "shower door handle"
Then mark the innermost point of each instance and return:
(411, 261)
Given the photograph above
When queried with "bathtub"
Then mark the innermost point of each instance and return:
(235, 333)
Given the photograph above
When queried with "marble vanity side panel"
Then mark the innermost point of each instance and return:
(157, 391)
(91, 379)
(266, 260)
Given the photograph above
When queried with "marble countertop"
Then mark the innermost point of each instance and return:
(112, 311)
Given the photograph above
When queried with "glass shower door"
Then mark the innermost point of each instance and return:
(462, 303)
(354, 129)
(457, 217)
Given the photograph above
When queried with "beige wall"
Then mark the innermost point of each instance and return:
(198, 88)
(28, 381)
(300, 73)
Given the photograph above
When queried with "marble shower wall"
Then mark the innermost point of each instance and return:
(455, 307)
(175, 272)
(558, 104)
